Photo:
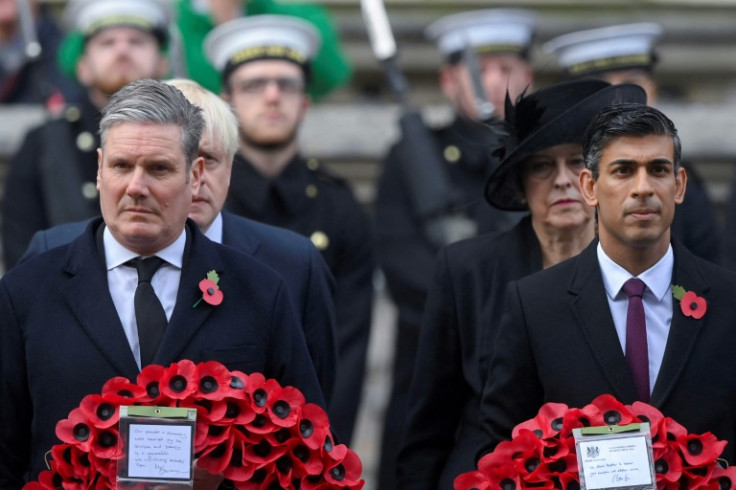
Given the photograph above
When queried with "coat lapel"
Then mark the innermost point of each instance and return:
(200, 257)
(684, 330)
(89, 299)
(592, 312)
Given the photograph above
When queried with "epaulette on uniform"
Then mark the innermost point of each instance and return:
(325, 174)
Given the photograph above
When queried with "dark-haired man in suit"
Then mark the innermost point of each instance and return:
(71, 318)
(581, 328)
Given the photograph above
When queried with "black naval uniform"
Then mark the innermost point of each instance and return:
(695, 223)
(52, 178)
(407, 257)
(311, 201)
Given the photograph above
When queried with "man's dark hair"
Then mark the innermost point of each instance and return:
(626, 120)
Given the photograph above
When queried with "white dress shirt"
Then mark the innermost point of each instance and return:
(122, 281)
(214, 232)
(657, 300)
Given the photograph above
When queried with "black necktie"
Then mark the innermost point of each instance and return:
(149, 314)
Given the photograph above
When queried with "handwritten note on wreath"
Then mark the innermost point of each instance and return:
(160, 452)
(615, 463)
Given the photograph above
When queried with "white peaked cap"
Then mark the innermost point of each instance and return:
(508, 30)
(89, 16)
(606, 48)
(261, 36)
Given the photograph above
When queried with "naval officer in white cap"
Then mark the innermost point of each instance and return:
(627, 54)
(500, 40)
(52, 178)
(265, 65)
(618, 54)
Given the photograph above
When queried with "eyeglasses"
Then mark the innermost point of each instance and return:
(256, 86)
(543, 169)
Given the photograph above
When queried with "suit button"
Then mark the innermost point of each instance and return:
(312, 164)
(311, 191)
(89, 190)
(72, 114)
(452, 154)
(85, 141)
(320, 240)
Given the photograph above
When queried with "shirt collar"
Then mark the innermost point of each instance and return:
(214, 232)
(657, 278)
(117, 255)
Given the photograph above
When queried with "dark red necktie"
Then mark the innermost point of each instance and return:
(636, 338)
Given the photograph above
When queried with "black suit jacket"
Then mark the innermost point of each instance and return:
(443, 431)
(557, 343)
(61, 337)
(308, 280)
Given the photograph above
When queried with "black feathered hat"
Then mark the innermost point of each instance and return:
(551, 116)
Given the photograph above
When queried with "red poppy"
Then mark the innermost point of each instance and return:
(237, 387)
(724, 477)
(693, 305)
(550, 418)
(260, 389)
(284, 406)
(216, 434)
(313, 425)
(179, 381)
(696, 477)
(100, 411)
(211, 293)
(346, 472)
(107, 444)
(569, 480)
(613, 411)
(668, 466)
(700, 449)
(121, 391)
(210, 411)
(238, 469)
(68, 460)
(217, 456)
(213, 381)
(261, 424)
(306, 461)
(237, 412)
(474, 480)
(76, 430)
(501, 457)
(575, 418)
(150, 380)
(263, 452)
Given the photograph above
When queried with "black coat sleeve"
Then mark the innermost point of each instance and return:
(438, 390)
(512, 392)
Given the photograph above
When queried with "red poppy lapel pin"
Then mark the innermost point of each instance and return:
(690, 303)
(211, 292)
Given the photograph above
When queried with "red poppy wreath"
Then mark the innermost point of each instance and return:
(541, 453)
(255, 432)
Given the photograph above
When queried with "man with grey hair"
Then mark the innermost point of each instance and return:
(86, 312)
(308, 279)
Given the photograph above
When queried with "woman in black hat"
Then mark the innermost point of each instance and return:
(539, 173)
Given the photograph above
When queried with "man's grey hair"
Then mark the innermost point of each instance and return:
(151, 101)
